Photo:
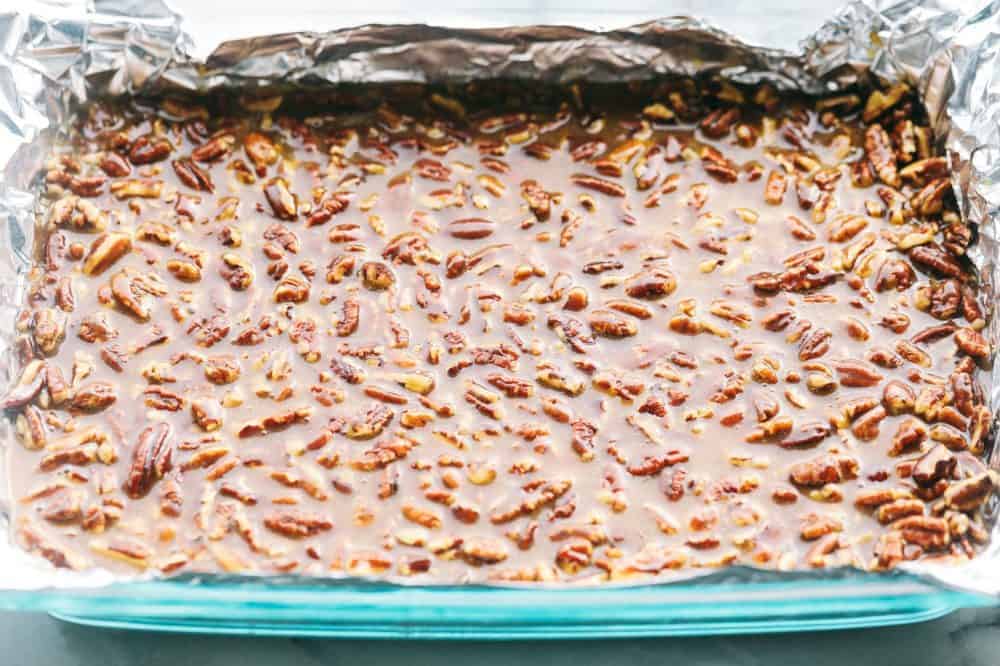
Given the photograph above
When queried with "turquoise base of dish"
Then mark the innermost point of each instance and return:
(465, 631)
(375, 610)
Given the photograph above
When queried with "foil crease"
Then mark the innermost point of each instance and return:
(56, 54)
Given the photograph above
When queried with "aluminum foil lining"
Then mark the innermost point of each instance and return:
(55, 54)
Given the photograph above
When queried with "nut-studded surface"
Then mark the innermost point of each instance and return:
(527, 346)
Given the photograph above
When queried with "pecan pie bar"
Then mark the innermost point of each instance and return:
(636, 330)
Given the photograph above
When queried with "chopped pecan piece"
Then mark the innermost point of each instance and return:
(652, 465)
(94, 397)
(297, 524)
(824, 469)
(273, 422)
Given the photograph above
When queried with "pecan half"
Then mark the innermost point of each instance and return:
(152, 458)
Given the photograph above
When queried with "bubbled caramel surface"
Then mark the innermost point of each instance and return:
(551, 344)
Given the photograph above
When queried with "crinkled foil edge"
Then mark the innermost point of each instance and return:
(55, 55)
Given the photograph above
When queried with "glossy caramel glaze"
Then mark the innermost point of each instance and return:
(541, 345)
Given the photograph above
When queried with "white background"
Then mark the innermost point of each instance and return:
(777, 23)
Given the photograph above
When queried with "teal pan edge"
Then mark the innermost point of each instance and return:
(372, 610)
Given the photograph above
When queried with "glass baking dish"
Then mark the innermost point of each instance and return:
(719, 604)
(728, 602)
